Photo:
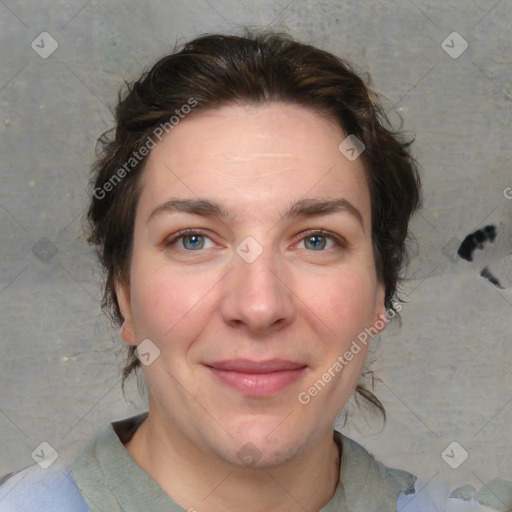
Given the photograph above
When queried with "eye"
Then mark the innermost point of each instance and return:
(319, 239)
(193, 240)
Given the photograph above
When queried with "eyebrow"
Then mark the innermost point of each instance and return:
(302, 208)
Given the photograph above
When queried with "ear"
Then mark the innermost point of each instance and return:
(380, 317)
(127, 331)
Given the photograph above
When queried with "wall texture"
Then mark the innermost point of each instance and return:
(445, 376)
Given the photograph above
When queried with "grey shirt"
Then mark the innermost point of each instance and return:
(110, 479)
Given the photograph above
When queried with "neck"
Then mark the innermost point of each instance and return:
(196, 480)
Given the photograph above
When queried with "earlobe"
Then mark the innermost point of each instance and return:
(126, 332)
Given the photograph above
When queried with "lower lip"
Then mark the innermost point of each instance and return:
(259, 384)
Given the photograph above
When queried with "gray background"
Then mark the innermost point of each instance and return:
(445, 375)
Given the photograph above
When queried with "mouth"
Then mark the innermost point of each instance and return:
(257, 378)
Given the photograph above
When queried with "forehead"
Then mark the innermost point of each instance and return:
(249, 156)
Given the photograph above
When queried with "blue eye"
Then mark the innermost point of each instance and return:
(193, 240)
(316, 243)
(319, 239)
(196, 241)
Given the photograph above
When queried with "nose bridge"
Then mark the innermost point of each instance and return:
(256, 294)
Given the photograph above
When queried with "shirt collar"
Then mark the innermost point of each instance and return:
(106, 473)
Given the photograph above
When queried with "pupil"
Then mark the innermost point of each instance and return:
(194, 239)
(317, 243)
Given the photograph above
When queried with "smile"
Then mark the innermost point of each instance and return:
(258, 379)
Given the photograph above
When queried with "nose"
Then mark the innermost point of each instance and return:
(257, 296)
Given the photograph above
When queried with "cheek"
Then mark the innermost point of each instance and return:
(346, 301)
(165, 303)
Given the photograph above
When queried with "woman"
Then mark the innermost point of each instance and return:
(251, 216)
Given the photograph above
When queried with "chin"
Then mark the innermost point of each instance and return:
(257, 449)
(257, 456)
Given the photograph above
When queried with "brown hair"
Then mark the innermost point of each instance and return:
(214, 70)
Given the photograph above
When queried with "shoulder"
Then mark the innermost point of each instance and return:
(369, 484)
(372, 486)
(34, 489)
(372, 468)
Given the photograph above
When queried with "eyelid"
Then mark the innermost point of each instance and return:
(337, 239)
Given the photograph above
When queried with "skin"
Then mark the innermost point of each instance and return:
(297, 301)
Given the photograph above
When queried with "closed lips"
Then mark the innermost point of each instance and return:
(256, 367)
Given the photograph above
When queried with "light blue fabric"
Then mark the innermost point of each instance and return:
(435, 496)
(34, 489)
(417, 502)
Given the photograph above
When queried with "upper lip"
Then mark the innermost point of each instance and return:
(248, 366)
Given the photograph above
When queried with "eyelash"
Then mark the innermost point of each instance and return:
(338, 241)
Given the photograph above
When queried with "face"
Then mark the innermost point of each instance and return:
(251, 308)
